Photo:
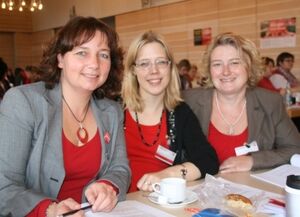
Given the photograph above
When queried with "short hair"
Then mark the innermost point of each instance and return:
(247, 51)
(266, 61)
(130, 88)
(3, 68)
(184, 63)
(77, 31)
(282, 56)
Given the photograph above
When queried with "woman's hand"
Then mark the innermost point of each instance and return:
(192, 173)
(56, 209)
(102, 196)
(237, 164)
(145, 183)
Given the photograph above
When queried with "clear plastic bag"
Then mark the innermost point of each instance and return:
(212, 194)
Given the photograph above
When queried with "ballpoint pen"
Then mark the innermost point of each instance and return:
(277, 202)
(74, 211)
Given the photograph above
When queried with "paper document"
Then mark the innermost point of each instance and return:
(278, 175)
(131, 208)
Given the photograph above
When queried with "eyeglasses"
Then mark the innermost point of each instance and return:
(289, 60)
(218, 65)
(146, 64)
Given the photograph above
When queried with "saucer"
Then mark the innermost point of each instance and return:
(190, 198)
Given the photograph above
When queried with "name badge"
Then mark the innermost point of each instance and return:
(247, 148)
(165, 155)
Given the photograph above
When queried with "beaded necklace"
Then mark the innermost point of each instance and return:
(141, 133)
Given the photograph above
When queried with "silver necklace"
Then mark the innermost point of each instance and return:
(231, 126)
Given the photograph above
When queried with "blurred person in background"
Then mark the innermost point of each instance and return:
(195, 78)
(4, 83)
(268, 65)
(19, 72)
(282, 76)
(33, 73)
(184, 66)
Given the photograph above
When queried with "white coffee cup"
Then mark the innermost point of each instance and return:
(174, 189)
(292, 196)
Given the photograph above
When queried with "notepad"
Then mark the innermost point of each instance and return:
(278, 175)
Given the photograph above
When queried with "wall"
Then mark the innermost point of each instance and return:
(7, 48)
(177, 21)
(23, 34)
(12, 23)
(15, 21)
(60, 13)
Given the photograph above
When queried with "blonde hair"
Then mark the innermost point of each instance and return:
(248, 53)
(130, 87)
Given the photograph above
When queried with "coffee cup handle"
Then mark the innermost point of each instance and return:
(156, 187)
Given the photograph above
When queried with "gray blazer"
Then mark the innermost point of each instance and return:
(31, 157)
(268, 124)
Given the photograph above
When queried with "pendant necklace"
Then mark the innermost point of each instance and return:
(231, 126)
(82, 134)
(141, 133)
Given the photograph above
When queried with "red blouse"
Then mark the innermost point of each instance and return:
(141, 157)
(225, 144)
(81, 166)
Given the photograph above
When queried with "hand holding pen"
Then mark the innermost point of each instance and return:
(102, 196)
(64, 207)
(75, 211)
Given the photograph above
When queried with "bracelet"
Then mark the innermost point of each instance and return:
(183, 171)
(49, 211)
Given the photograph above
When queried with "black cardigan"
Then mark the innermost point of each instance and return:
(188, 141)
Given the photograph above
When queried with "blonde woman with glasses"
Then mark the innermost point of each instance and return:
(163, 136)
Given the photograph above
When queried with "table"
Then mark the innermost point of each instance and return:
(293, 111)
(239, 177)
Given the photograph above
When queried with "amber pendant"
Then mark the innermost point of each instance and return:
(82, 135)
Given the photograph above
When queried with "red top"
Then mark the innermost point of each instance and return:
(225, 144)
(81, 166)
(141, 157)
(267, 84)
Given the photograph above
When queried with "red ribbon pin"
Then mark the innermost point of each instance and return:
(106, 137)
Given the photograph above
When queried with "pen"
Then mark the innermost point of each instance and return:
(277, 202)
(74, 211)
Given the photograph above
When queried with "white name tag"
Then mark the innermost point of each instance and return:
(247, 148)
(165, 155)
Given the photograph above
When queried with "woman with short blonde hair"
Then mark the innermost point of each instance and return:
(245, 124)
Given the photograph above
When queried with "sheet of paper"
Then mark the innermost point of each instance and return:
(131, 208)
(277, 176)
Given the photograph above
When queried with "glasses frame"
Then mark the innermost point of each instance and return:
(149, 64)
